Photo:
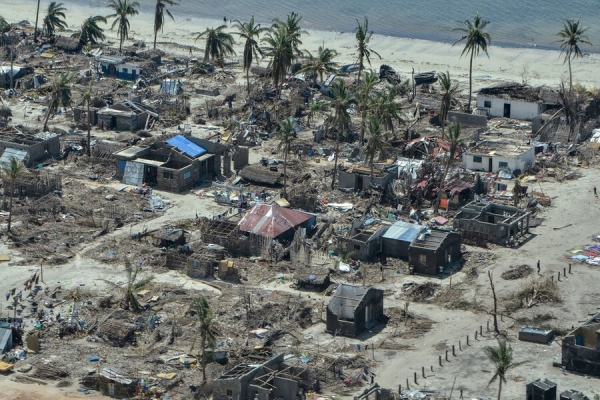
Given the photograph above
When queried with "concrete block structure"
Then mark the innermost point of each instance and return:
(581, 348)
(352, 309)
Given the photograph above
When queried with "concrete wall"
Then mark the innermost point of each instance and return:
(395, 248)
(358, 181)
(435, 258)
(37, 150)
(581, 359)
(519, 109)
(466, 119)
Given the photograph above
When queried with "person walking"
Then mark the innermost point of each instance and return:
(595, 192)
(538, 266)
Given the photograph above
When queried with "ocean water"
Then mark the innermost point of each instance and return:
(513, 23)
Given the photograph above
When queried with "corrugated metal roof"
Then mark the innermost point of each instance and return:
(403, 231)
(5, 339)
(272, 220)
(9, 152)
(186, 146)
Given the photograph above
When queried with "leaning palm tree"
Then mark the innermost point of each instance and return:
(91, 33)
(54, 19)
(205, 315)
(340, 119)
(363, 38)
(281, 52)
(159, 15)
(448, 91)
(476, 39)
(502, 357)
(572, 35)
(285, 135)
(128, 292)
(454, 142)
(60, 94)
(219, 44)
(365, 99)
(250, 32)
(122, 9)
(11, 170)
(322, 63)
(85, 101)
(293, 31)
(37, 14)
(377, 142)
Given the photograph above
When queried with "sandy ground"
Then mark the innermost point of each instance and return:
(537, 67)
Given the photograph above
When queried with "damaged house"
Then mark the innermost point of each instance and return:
(273, 379)
(516, 101)
(581, 348)
(360, 178)
(480, 223)
(497, 155)
(28, 148)
(126, 116)
(275, 222)
(117, 67)
(364, 240)
(176, 165)
(352, 309)
(16, 72)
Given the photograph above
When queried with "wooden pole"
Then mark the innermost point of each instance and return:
(447, 355)
(423, 371)
(569, 267)
(459, 346)
(467, 340)
(416, 383)
(453, 352)
(440, 360)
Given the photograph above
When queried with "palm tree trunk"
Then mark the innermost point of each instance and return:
(285, 157)
(35, 32)
(12, 63)
(48, 111)
(203, 343)
(155, 34)
(89, 145)
(438, 198)
(500, 388)
(470, 81)
(570, 76)
(362, 123)
(360, 68)
(248, 80)
(10, 204)
(337, 150)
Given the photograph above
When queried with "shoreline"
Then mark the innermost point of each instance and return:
(535, 66)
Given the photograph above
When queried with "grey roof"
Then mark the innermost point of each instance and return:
(5, 339)
(20, 155)
(403, 231)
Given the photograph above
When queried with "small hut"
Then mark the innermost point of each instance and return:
(169, 237)
(260, 175)
(68, 44)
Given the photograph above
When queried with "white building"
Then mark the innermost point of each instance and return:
(493, 156)
(515, 101)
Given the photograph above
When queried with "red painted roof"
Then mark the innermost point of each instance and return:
(272, 220)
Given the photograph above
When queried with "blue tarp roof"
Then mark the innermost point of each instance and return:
(186, 146)
(403, 231)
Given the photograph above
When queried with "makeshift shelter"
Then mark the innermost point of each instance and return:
(6, 72)
(6, 339)
(126, 116)
(432, 250)
(28, 148)
(275, 222)
(352, 309)
(68, 44)
(397, 239)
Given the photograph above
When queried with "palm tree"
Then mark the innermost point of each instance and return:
(454, 142)
(280, 50)
(122, 9)
(60, 94)
(316, 108)
(55, 18)
(4, 26)
(292, 29)
(387, 109)
(11, 169)
(377, 142)
(285, 135)
(502, 357)
(365, 99)
(363, 38)
(205, 316)
(321, 64)
(218, 44)
(250, 32)
(448, 91)
(476, 39)
(572, 35)
(159, 15)
(340, 118)
(85, 100)
(91, 33)
(37, 14)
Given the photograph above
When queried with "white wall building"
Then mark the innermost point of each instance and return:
(493, 156)
(515, 101)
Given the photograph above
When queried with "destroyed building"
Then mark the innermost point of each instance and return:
(360, 178)
(581, 348)
(516, 101)
(16, 72)
(275, 222)
(396, 240)
(273, 379)
(68, 44)
(125, 116)
(480, 223)
(176, 165)
(117, 67)
(364, 240)
(28, 148)
(497, 155)
(432, 250)
(352, 309)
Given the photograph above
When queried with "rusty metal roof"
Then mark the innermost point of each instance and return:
(272, 220)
